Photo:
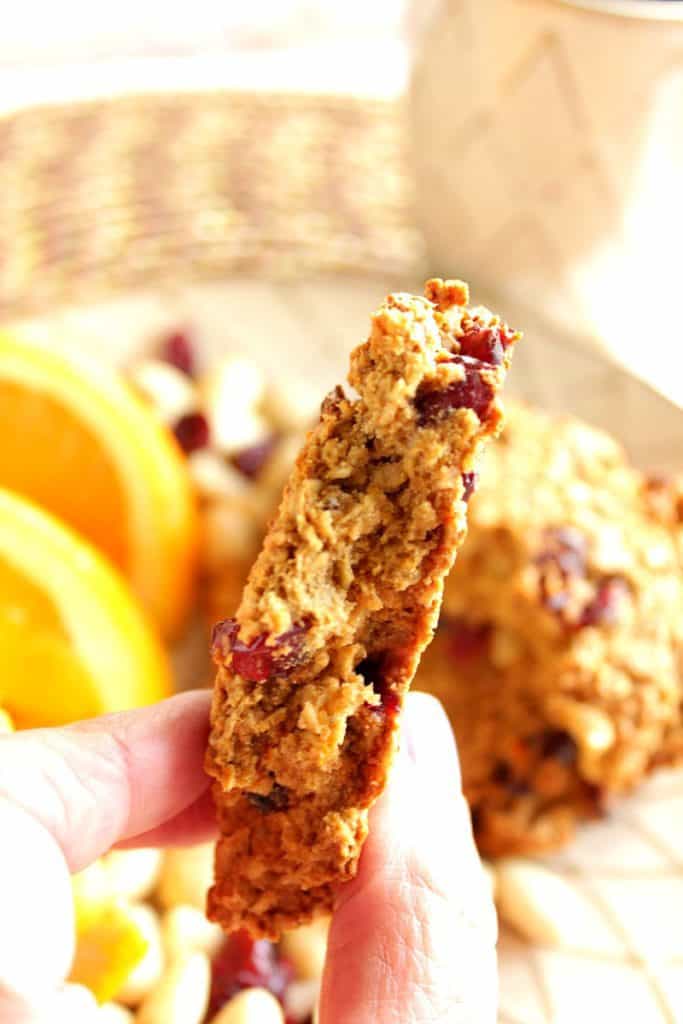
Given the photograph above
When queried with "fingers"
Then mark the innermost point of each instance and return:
(114, 778)
(413, 938)
(194, 824)
(72, 1004)
(36, 922)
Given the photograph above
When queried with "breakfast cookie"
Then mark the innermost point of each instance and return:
(558, 650)
(340, 603)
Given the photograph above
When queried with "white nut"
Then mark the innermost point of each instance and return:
(113, 1013)
(234, 428)
(306, 947)
(185, 928)
(182, 995)
(301, 998)
(230, 395)
(549, 910)
(251, 1006)
(146, 974)
(186, 874)
(214, 477)
(237, 377)
(293, 405)
(171, 392)
(133, 873)
(592, 728)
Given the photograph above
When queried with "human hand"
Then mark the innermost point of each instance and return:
(412, 939)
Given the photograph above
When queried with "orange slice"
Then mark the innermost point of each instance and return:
(79, 442)
(73, 640)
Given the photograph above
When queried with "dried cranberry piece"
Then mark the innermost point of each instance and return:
(276, 800)
(250, 461)
(257, 660)
(484, 344)
(469, 483)
(243, 962)
(465, 640)
(178, 350)
(373, 669)
(558, 745)
(604, 608)
(192, 432)
(473, 392)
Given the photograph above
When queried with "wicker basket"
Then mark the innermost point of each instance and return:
(104, 196)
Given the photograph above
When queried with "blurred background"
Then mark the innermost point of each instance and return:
(211, 198)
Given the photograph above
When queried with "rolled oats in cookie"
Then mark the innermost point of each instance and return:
(340, 603)
(559, 653)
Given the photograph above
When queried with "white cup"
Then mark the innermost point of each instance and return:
(548, 147)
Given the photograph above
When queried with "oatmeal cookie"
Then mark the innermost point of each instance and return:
(340, 603)
(558, 650)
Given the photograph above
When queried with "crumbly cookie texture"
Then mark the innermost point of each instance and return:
(558, 654)
(343, 598)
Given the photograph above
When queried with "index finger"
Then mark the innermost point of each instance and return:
(96, 783)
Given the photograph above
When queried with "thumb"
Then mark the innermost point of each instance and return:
(413, 937)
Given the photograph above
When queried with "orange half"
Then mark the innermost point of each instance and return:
(79, 442)
(73, 640)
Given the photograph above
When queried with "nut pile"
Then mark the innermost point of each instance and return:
(241, 434)
(147, 951)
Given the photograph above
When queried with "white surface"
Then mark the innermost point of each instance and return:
(52, 53)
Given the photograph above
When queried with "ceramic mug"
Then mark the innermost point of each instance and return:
(548, 148)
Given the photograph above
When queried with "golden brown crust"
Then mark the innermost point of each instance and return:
(339, 605)
(557, 653)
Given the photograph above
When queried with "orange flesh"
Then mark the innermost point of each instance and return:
(38, 429)
(42, 681)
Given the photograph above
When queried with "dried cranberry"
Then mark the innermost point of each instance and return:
(276, 800)
(469, 483)
(483, 343)
(373, 669)
(192, 432)
(250, 461)
(604, 608)
(558, 745)
(466, 641)
(257, 660)
(473, 392)
(243, 962)
(178, 350)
